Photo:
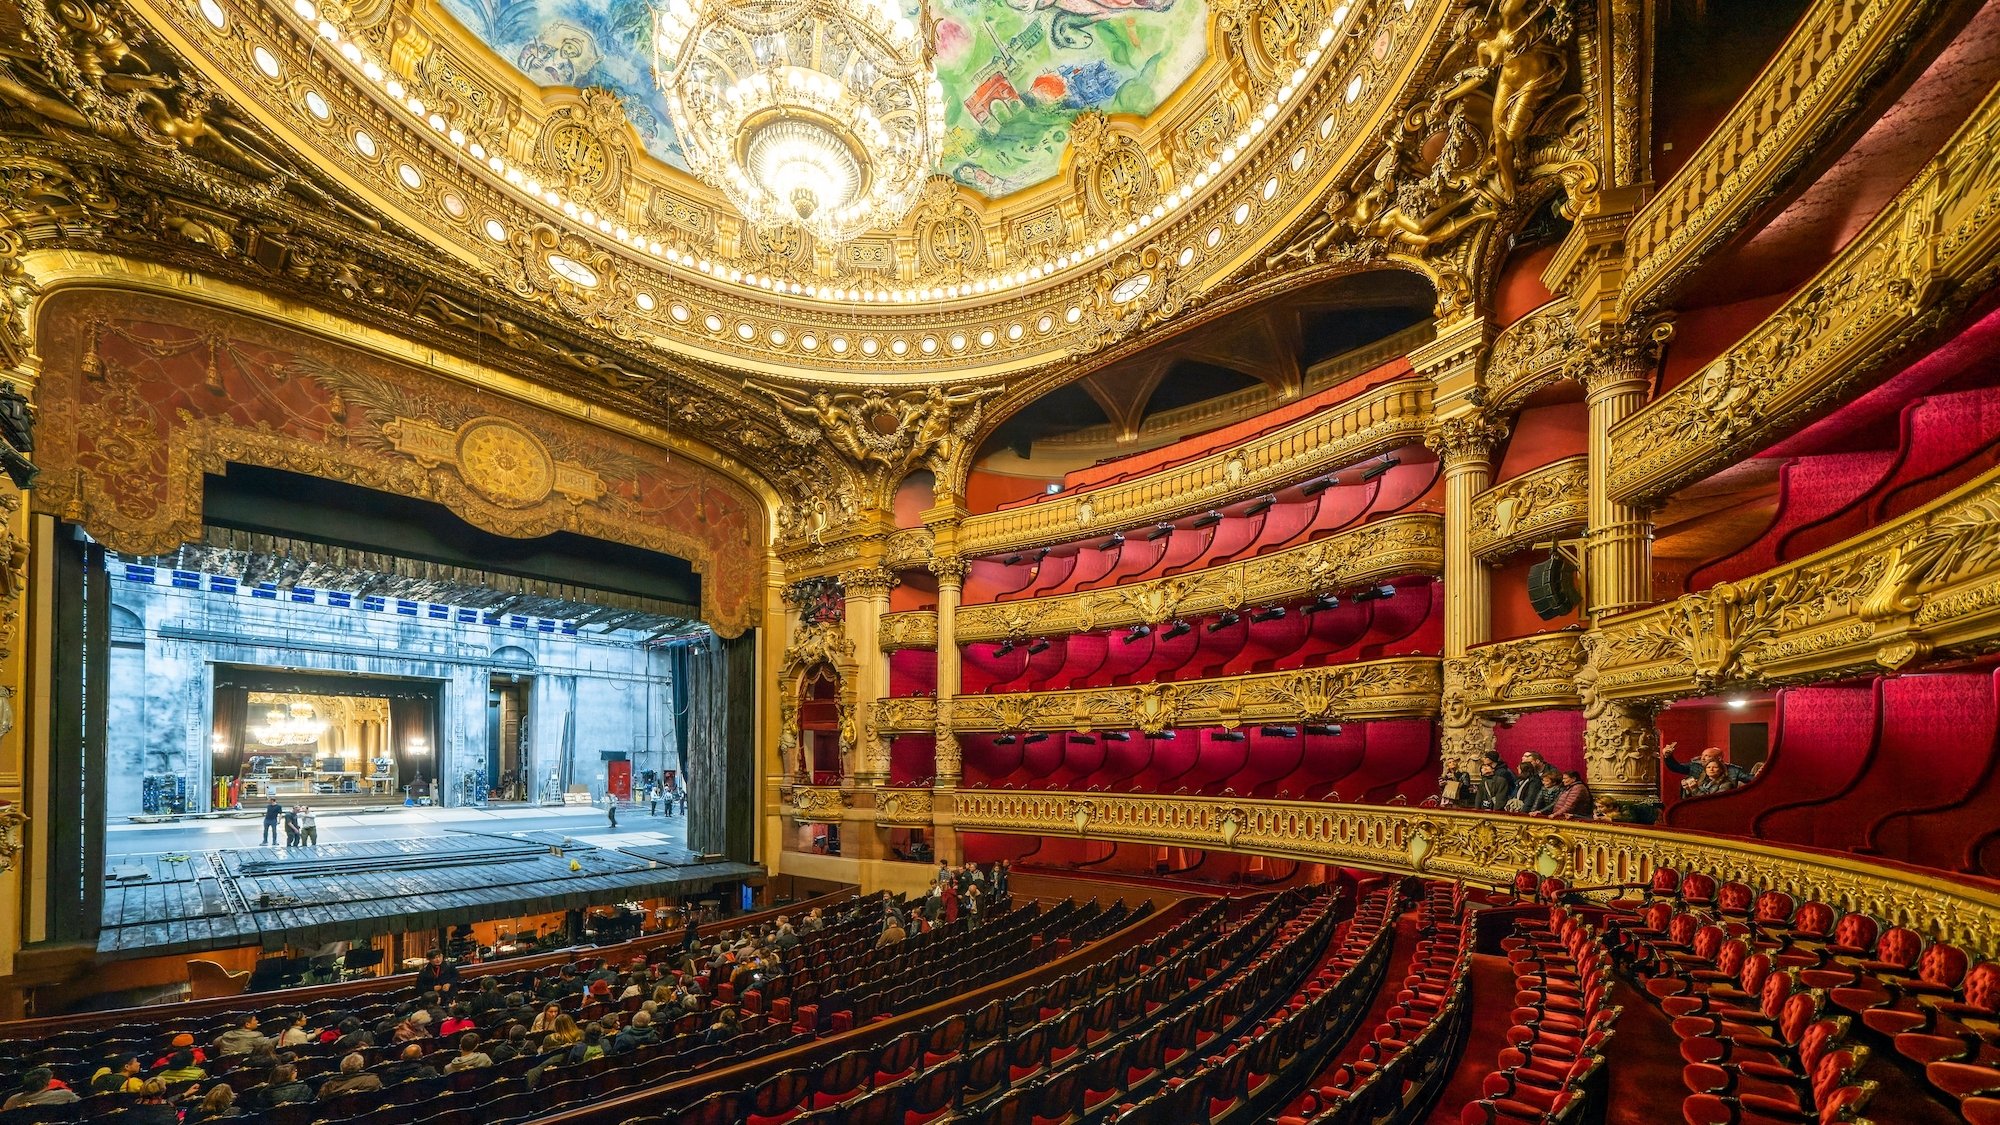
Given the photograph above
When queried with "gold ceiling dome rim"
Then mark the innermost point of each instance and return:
(1245, 198)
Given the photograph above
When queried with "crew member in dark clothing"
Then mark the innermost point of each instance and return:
(272, 812)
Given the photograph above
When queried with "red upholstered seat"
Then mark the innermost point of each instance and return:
(1964, 1080)
(1978, 997)
(1939, 972)
(1801, 1009)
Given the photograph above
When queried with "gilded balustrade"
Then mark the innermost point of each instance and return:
(1925, 584)
(1399, 545)
(1523, 674)
(1373, 422)
(1541, 504)
(1929, 253)
(912, 628)
(1812, 90)
(1486, 848)
(1539, 349)
(1400, 687)
(818, 803)
(903, 807)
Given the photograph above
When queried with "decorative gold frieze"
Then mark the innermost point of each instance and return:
(1811, 91)
(915, 628)
(1541, 504)
(1400, 545)
(1926, 583)
(1920, 262)
(1486, 848)
(1523, 674)
(903, 808)
(1400, 687)
(1372, 422)
(822, 803)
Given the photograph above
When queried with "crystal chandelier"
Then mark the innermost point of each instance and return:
(297, 726)
(824, 114)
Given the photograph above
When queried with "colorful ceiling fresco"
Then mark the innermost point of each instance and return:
(1015, 72)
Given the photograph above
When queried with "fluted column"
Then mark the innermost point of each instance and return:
(1465, 446)
(867, 591)
(950, 571)
(1618, 546)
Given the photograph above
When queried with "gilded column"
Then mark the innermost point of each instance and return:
(1620, 742)
(1465, 446)
(867, 591)
(1618, 545)
(950, 571)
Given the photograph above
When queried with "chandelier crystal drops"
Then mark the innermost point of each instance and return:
(824, 114)
(298, 725)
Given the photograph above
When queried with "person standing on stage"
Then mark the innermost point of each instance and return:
(308, 825)
(653, 795)
(292, 827)
(272, 811)
(611, 809)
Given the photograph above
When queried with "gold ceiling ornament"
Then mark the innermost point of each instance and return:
(825, 114)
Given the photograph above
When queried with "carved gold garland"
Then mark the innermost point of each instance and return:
(1812, 90)
(1400, 687)
(1401, 545)
(1918, 264)
(818, 803)
(1924, 584)
(1373, 422)
(1524, 674)
(1541, 504)
(1487, 849)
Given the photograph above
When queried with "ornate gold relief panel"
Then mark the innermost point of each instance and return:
(1916, 267)
(1485, 848)
(141, 395)
(903, 808)
(1400, 545)
(1533, 352)
(1524, 674)
(1539, 504)
(916, 628)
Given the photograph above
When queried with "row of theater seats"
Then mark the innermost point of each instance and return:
(927, 1071)
(1764, 994)
(1563, 1019)
(523, 1088)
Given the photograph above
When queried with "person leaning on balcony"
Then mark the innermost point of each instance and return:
(1692, 771)
(1496, 783)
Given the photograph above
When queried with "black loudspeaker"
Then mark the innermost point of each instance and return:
(1552, 586)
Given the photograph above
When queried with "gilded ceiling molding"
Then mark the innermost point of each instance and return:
(1540, 349)
(1930, 253)
(1819, 82)
(1533, 673)
(1396, 688)
(1925, 584)
(914, 628)
(141, 395)
(1373, 422)
(1486, 848)
(1390, 548)
(1541, 504)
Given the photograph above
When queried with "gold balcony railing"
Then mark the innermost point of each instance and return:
(1540, 504)
(1523, 674)
(912, 628)
(1486, 848)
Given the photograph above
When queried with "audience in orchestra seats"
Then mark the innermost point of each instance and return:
(220, 1105)
(565, 1033)
(1568, 798)
(181, 1042)
(723, 1028)
(39, 1087)
(458, 1022)
(126, 1079)
(815, 920)
(416, 1025)
(150, 1108)
(410, 1065)
(241, 1039)
(284, 1088)
(892, 931)
(352, 1079)
(512, 1047)
(488, 998)
(181, 1068)
(469, 1054)
(437, 975)
(296, 1034)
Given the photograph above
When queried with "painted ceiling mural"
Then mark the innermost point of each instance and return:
(1015, 72)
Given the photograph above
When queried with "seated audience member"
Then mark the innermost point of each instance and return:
(892, 932)
(295, 1033)
(458, 1022)
(241, 1039)
(512, 1047)
(181, 1070)
(416, 1025)
(218, 1105)
(565, 1033)
(39, 1087)
(352, 1036)
(1692, 771)
(591, 1046)
(1715, 777)
(410, 1065)
(723, 1028)
(640, 1034)
(1570, 799)
(284, 1088)
(545, 1020)
(124, 1080)
(151, 1107)
(1609, 809)
(182, 1041)
(352, 1079)
(469, 1055)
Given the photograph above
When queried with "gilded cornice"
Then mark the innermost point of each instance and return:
(1524, 674)
(1400, 687)
(1927, 583)
(1540, 504)
(914, 628)
(1813, 90)
(1535, 351)
(1399, 545)
(1487, 849)
(903, 808)
(1921, 261)
(1373, 422)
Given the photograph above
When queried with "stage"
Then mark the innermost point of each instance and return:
(197, 884)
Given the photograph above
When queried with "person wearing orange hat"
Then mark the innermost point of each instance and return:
(181, 1042)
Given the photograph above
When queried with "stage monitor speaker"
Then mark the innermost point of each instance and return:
(1552, 586)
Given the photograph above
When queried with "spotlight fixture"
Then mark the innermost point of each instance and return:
(1279, 732)
(1085, 739)
(1739, 703)
(1176, 631)
(1259, 506)
(1375, 593)
(1207, 519)
(1112, 543)
(1161, 735)
(1271, 613)
(1004, 740)
(1330, 730)
(1315, 487)
(1159, 532)
(1043, 553)
(1227, 618)
(1380, 468)
(1323, 601)
(1117, 736)
(1231, 736)
(1004, 648)
(1040, 646)
(1011, 560)
(1139, 632)
(1038, 736)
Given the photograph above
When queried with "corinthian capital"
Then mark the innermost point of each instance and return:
(1617, 355)
(949, 568)
(1466, 437)
(868, 580)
